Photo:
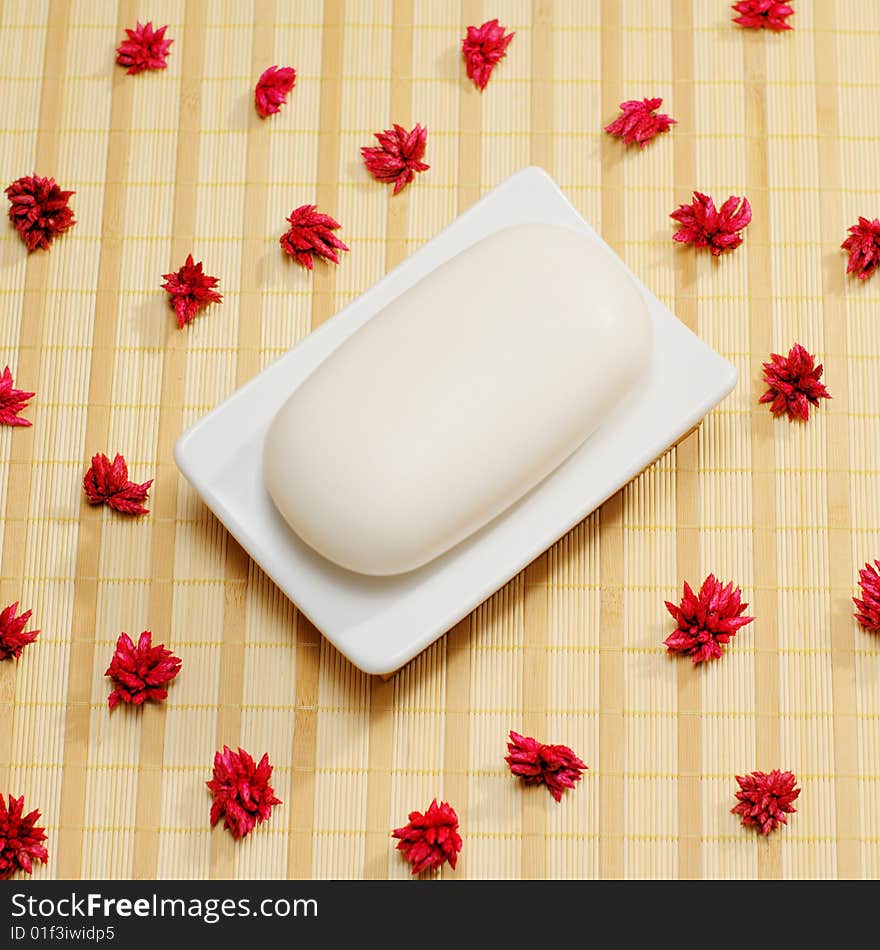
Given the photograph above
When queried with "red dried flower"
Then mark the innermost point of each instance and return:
(145, 48)
(20, 838)
(311, 235)
(639, 121)
(555, 766)
(12, 401)
(13, 637)
(763, 14)
(765, 798)
(706, 620)
(272, 89)
(189, 290)
(242, 794)
(868, 607)
(140, 672)
(431, 838)
(39, 210)
(794, 383)
(106, 483)
(483, 48)
(398, 156)
(863, 245)
(705, 226)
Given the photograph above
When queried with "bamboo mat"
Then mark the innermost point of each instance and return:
(570, 651)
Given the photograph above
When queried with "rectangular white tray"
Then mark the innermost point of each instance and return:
(381, 623)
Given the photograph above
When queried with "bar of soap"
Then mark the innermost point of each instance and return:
(457, 398)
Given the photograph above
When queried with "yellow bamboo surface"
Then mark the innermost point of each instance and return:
(173, 162)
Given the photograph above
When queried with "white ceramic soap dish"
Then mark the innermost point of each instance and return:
(380, 623)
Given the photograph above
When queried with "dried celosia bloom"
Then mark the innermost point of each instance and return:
(639, 121)
(12, 401)
(793, 383)
(13, 637)
(311, 235)
(107, 483)
(763, 14)
(706, 621)
(190, 289)
(555, 766)
(483, 48)
(242, 794)
(145, 48)
(40, 210)
(704, 225)
(868, 606)
(765, 798)
(272, 89)
(21, 841)
(863, 245)
(140, 672)
(398, 156)
(431, 838)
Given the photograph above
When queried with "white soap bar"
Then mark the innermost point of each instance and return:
(456, 399)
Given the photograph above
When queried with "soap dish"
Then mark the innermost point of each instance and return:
(380, 623)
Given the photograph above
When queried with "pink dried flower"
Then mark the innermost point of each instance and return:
(40, 210)
(145, 48)
(398, 156)
(483, 48)
(140, 672)
(311, 235)
(706, 620)
(21, 841)
(793, 383)
(705, 226)
(763, 14)
(429, 839)
(272, 89)
(13, 637)
(107, 483)
(868, 606)
(242, 794)
(863, 245)
(765, 798)
(12, 401)
(555, 766)
(639, 121)
(190, 289)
